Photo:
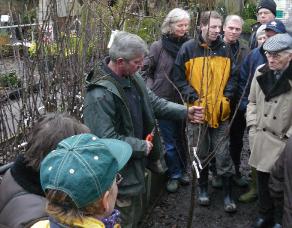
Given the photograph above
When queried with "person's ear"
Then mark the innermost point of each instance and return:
(105, 201)
(120, 61)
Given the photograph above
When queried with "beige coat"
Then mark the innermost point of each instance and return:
(269, 117)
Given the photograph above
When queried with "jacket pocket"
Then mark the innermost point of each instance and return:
(224, 109)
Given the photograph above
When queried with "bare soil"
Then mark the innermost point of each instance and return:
(172, 209)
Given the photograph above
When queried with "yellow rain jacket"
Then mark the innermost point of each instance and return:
(87, 222)
(203, 73)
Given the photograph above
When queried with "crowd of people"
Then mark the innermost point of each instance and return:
(197, 96)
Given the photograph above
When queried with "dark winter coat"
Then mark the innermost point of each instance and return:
(253, 40)
(107, 115)
(22, 202)
(159, 66)
(254, 59)
(281, 183)
(237, 61)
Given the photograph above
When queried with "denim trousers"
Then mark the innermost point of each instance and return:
(173, 134)
(211, 142)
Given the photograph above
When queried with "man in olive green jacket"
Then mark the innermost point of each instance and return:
(118, 105)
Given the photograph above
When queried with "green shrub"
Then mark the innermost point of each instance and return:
(249, 11)
(9, 79)
(148, 28)
(247, 25)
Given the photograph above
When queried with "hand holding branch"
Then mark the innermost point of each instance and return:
(196, 114)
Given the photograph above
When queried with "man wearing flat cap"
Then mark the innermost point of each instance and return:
(254, 59)
(269, 119)
(266, 12)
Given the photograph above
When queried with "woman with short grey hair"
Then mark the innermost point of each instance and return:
(159, 65)
(172, 18)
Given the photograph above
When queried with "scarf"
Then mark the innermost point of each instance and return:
(26, 177)
(111, 220)
(172, 44)
(271, 86)
(108, 222)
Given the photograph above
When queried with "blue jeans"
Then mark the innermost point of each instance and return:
(173, 136)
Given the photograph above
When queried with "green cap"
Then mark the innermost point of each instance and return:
(84, 166)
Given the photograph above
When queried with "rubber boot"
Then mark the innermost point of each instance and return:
(229, 204)
(238, 179)
(251, 195)
(216, 180)
(203, 196)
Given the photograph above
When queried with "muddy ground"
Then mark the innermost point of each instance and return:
(172, 209)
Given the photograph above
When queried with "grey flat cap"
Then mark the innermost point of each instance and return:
(278, 42)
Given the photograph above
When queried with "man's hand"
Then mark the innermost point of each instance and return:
(149, 147)
(196, 114)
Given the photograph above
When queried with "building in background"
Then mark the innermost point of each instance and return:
(284, 9)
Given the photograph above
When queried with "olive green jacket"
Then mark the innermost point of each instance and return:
(107, 115)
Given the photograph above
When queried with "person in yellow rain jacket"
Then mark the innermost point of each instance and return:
(202, 73)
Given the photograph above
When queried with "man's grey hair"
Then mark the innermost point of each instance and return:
(288, 51)
(127, 46)
(233, 18)
(173, 17)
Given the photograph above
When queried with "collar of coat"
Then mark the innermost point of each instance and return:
(26, 177)
(214, 44)
(102, 71)
(272, 87)
(255, 26)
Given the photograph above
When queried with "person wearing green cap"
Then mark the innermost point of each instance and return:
(22, 200)
(80, 180)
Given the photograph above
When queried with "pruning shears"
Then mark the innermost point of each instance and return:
(150, 136)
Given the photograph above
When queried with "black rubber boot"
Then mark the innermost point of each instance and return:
(263, 223)
(203, 196)
(229, 204)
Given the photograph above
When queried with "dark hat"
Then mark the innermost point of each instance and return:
(277, 26)
(279, 42)
(267, 4)
(84, 167)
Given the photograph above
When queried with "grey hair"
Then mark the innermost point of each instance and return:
(288, 51)
(127, 46)
(233, 18)
(172, 17)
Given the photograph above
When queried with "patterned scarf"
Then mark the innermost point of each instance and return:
(111, 220)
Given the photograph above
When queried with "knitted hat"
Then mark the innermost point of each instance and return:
(279, 42)
(267, 4)
(84, 167)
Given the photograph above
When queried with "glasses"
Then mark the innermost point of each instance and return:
(275, 55)
(263, 13)
(119, 178)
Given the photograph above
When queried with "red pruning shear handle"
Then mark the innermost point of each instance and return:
(150, 136)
